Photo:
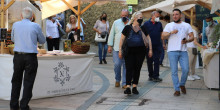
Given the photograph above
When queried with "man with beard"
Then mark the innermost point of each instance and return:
(177, 32)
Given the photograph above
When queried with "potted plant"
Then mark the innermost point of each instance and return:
(216, 35)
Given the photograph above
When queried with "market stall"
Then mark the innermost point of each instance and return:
(60, 74)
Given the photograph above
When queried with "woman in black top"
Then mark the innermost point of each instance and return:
(136, 49)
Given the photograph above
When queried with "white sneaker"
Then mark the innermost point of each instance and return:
(196, 77)
(190, 78)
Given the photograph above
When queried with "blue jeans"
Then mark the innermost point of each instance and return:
(101, 46)
(117, 68)
(161, 55)
(182, 58)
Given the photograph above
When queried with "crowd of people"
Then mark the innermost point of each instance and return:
(129, 41)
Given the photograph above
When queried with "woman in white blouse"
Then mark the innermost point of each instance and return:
(52, 33)
(71, 27)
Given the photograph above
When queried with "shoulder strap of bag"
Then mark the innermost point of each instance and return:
(106, 27)
(146, 42)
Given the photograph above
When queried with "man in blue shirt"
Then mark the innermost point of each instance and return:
(25, 35)
(155, 29)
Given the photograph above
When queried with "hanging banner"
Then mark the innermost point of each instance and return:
(132, 2)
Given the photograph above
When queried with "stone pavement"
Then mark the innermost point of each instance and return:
(153, 96)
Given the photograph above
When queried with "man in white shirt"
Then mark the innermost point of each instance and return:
(177, 32)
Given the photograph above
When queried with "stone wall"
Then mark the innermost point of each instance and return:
(93, 14)
(113, 12)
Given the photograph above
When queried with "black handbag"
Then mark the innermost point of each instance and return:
(104, 34)
(194, 51)
(124, 48)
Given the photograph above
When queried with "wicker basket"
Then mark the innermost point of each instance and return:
(5, 50)
(80, 48)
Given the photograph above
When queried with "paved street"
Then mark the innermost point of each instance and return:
(153, 96)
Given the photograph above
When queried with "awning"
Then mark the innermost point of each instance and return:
(212, 5)
(167, 6)
(52, 7)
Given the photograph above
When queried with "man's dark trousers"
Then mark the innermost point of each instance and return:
(27, 64)
(155, 59)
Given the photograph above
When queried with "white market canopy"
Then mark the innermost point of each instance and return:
(212, 5)
(215, 5)
(167, 6)
(52, 7)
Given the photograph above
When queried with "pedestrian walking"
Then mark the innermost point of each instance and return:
(177, 32)
(155, 29)
(133, 36)
(102, 26)
(113, 46)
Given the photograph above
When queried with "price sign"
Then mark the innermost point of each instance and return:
(132, 2)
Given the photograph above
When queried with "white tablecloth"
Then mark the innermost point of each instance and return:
(211, 72)
(56, 75)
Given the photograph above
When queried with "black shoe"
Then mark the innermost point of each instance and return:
(100, 62)
(161, 65)
(127, 90)
(157, 79)
(105, 62)
(150, 79)
(134, 90)
(14, 109)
